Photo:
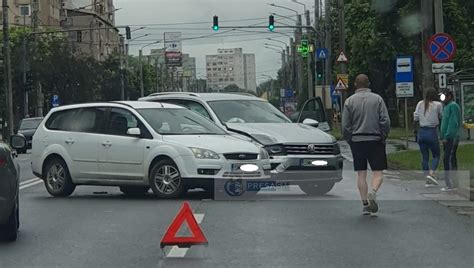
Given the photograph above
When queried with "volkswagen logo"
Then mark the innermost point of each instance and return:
(312, 148)
(242, 156)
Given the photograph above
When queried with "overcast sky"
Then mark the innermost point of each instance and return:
(159, 16)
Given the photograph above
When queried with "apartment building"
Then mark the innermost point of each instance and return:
(34, 13)
(231, 66)
(94, 22)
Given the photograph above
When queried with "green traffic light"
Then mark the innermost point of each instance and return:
(215, 28)
(271, 27)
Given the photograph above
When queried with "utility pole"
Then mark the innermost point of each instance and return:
(427, 23)
(142, 90)
(342, 43)
(24, 69)
(8, 71)
(294, 83)
(327, 70)
(299, 60)
(122, 69)
(310, 59)
(37, 84)
(439, 20)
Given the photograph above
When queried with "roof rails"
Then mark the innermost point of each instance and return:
(242, 93)
(171, 93)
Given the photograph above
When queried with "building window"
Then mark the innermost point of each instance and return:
(231, 79)
(214, 63)
(24, 10)
(79, 36)
(221, 79)
(214, 69)
(208, 69)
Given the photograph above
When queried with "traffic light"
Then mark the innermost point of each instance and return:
(304, 48)
(271, 23)
(319, 69)
(128, 33)
(215, 25)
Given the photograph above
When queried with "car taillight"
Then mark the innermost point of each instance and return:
(3, 162)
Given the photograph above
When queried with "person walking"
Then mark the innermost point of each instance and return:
(365, 126)
(427, 116)
(450, 125)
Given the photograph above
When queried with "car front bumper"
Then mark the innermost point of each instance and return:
(291, 168)
(223, 169)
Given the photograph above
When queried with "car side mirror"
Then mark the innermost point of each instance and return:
(18, 142)
(134, 132)
(311, 122)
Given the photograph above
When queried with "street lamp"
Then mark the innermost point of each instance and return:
(287, 8)
(138, 37)
(272, 48)
(138, 29)
(140, 55)
(276, 40)
(273, 45)
(299, 3)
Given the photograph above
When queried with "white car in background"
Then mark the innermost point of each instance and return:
(137, 146)
(300, 153)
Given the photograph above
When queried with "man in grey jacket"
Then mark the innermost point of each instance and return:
(365, 126)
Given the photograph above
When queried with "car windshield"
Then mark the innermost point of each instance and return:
(30, 124)
(179, 122)
(247, 111)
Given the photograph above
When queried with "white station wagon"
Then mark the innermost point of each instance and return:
(137, 146)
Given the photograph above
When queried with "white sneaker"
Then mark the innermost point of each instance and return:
(432, 179)
(447, 190)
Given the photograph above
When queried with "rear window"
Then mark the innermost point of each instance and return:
(77, 120)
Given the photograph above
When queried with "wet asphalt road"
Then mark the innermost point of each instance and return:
(100, 227)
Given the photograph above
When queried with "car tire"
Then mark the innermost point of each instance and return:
(57, 178)
(165, 180)
(317, 188)
(134, 190)
(9, 231)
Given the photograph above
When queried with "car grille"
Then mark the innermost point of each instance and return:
(318, 149)
(241, 156)
(241, 174)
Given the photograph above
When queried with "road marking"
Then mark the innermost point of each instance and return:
(177, 252)
(348, 158)
(27, 185)
(28, 181)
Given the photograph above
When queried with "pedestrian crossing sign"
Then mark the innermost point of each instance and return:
(322, 53)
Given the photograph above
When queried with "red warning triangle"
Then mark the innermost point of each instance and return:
(197, 238)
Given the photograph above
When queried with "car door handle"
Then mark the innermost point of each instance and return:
(106, 144)
(69, 141)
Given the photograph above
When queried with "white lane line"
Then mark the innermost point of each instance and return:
(177, 252)
(348, 158)
(28, 181)
(30, 184)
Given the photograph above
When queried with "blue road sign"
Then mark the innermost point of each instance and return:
(404, 77)
(441, 47)
(288, 93)
(55, 101)
(322, 53)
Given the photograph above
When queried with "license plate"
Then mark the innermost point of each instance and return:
(313, 163)
(236, 167)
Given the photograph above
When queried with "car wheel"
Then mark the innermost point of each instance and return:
(165, 180)
(317, 188)
(10, 229)
(134, 190)
(57, 179)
